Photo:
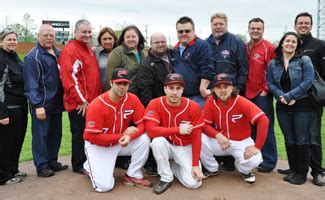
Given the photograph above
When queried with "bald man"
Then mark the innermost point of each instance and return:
(151, 76)
(44, 91)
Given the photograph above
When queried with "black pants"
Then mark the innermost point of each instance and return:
(316, 144)
(11, 141)
(77, 127)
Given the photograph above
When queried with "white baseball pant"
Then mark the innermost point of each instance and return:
(180, 164)
(211, 148)
(100, 161)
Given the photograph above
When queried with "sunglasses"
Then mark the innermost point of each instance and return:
(6, 31)
(184, 31)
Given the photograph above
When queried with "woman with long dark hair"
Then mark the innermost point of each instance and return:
(289, 77)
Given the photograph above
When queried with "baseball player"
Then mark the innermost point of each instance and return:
(175, 124)
(108, 135)
(227, 129)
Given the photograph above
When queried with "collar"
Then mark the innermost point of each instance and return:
(190, 44)
(43, 50)
(306, 38)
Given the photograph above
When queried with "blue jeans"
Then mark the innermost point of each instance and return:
(46, 140)
(295, 126)
(269, 150)
(198, 99)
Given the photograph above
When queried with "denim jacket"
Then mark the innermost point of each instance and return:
(301, 73)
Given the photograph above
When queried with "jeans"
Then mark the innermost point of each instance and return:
(198, 99)
(295, 126)
(269, 150)
(46, 140)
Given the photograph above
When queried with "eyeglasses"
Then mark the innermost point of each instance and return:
(6, 31)
(184, 31)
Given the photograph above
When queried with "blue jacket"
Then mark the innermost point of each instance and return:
(301, 73)
(231, 57)
(43, 86)
(195, 63)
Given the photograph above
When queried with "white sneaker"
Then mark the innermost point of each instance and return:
(249, 178)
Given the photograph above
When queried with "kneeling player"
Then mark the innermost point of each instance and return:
(108, 135)
(228, 131)
(175, 124)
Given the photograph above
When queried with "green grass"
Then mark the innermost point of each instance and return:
(26, 153)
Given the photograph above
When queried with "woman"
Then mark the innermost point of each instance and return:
(127, 55)
(289, 77)
(107, 41)
(13, 109)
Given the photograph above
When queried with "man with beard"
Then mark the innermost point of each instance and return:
(108, 134)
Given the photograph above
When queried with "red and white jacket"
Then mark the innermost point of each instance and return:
(259, 57)
(79, 73)
(106, 121)
(233, 119)
(163, 120)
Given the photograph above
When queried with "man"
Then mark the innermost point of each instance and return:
(175, 125)
(192, 57)
(44, 91)
(230, 57)
(315, 49)
(151, 75)
(108, 134)
(260, 53)
(228, 130)
(81, 82)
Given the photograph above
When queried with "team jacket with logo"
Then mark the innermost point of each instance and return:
(259, 57)
(233, 119)
(106, 121)
(79, 74)
(163, 120)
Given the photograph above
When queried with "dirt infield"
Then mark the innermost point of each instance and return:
(226, 186)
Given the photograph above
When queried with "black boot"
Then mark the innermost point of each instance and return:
(291, 154)
(303, 157)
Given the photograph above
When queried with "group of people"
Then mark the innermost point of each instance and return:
(179, 112)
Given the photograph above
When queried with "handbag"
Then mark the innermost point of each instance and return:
(317, 90)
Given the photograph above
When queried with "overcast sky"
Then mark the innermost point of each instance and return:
(161, 15)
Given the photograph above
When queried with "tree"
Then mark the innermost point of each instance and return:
(29, 26)
(242, 36)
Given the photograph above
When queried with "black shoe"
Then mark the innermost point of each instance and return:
(151, 171)
(56, 166)
(319, 180)
(290, 176)
(45, 171)
(264, 170)
(161, 187)
(298, 179)
(80, 171)
(207, 174)
(284, 171)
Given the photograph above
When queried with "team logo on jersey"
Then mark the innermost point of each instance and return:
(235, 118)
(225, 53)
(150, 113)
(256, 56)
(127, 112)
(91, 123)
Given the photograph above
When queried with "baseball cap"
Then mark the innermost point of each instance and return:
(174, 78)
(222, 78)
(120, 75)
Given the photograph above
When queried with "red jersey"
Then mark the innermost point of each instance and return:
(259, 57)
(79, 73)
(106, 121)
(163, 120)
(233, 119)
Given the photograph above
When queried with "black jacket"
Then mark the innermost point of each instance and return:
(315, 49)
(11, 82)
(151, 76)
